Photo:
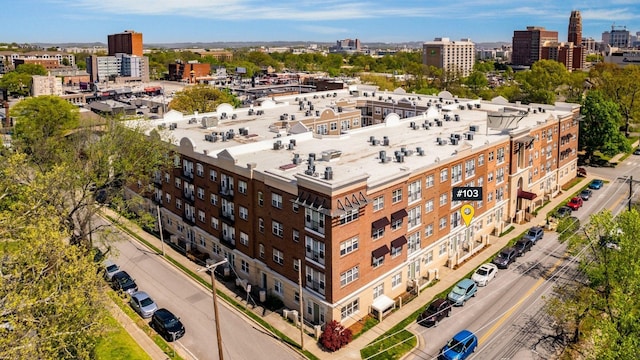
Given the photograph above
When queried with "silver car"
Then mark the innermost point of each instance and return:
(110, 268)
(142, 303)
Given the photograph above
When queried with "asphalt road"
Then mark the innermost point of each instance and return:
(194, 305)
(507, 315)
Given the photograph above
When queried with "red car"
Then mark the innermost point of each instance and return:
(575, 203)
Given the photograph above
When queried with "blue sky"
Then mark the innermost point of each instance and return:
(166, 21)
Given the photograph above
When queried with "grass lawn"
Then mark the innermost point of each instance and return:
(118, 344)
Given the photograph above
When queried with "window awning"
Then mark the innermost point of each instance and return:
(525, 139)
(380, 252)
(526, 195)
(398, 215)
(382, 303)
(399, 242)
(380, 223)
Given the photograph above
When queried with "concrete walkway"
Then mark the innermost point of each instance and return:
(448, 277)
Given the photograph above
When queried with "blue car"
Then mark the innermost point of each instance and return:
(596, 184)
(460, 346)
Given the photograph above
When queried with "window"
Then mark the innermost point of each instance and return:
(444, 175)
(395, 251)
(242, 187)
(349, 216)
(480, 159)
(179, 203)
(428, 206)
(490, 197)
(490, 176)
(178, 183)
(396, 280)
(443, 199)
(350, 276)
(278, 257)
(200, 193)
(443, 222)
(456, 219)
(244, 239)
(377, 233)
(396, 223)
(168, 196)
(314, 250)
(349, 246)
(499, 175)
(244, 213)
(396, 196)
(500, 155)
(277, 286)
(296, 297)
(261, 225)
(167, 177)
(201, 215)
(350, 309)
(244, 266)
(413, 242)
(202, 242)
(214, 199)
(261, 251)
(429, 182)
(213, 175)
(378, 290)
(334, 126)
(377, 261)
(214, 223)
(296, 264)
(428, 230)
(414, 191)
(277, 228)
(443, 249)
(414, 217)
(499, 194)
(456, 174)
(199, 170)
(315, 280)
(276, 200)
(314, 220)
(378, 203)
(469, 168)
(490, 155)
(295, 207)
(295, 235)
(260, 198)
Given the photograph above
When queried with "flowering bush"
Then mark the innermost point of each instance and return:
(335, 336)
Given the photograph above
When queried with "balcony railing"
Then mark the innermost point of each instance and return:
(228, 241)
(227, 217)
(316, 286)
(317, 256)
(226, 193)
(190, 219)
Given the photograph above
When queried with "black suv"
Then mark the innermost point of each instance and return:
(438, 310)
(505, 257)
(122, 281)
(523, 245)
(167, 325)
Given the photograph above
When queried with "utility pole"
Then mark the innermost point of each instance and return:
(160, 227)
(630, 190)
(301, 304)
(212, 269)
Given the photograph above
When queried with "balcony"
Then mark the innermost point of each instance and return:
(189, 197)
(189, 219)
(228, 241)
(157, 181)
(157, 199)
(187, 174)
(316, 286)
(317, 256)
(226, 193)
(227, 217)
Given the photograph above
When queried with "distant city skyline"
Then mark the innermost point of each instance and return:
(172, 21)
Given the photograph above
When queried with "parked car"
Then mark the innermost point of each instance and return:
(462, 291)
(110, 268)
(460, 346)
(596, 184)
(142, 303)
(535, 233)
(636, 151)
(435, 312)
(563, 212)
(505, 258)
(523, 245)
(122, 281)
(575, 203)
(167, 325)
(585, 194)
(484, 273)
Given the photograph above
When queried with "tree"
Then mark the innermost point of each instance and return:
(600, 310)
(50, 292)
(620, 85)
(16, 83)
(476, 81)
(335, 336)
(599, 127)
(200, 98)
(542, 82)
(31, 69)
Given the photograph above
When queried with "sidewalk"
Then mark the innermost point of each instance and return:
(448, 277)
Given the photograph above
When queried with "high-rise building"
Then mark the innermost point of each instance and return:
(527, 44)
(127, 42)
(452, 56)
(579, 55)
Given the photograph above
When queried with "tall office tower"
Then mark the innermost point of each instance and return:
(453, 56)
(575, 37)
(127, 42)
(527, 44)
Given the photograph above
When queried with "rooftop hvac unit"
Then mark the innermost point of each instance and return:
(193, 120)
(173, 126)
(311, 107)
(215, 138)
(439, 122)
(328, 173)
(385, 141)
(250, 112)
(317, 112)
(454, 141)
(339, 109)
(456, 117)
(469, 136)
(376, 142)
(408, 152)
(371, 138)
(455, 136)
(277, 145)
(290, 146)
(400, 158)
(208, 137)
(293, 117)
(234, 116)
(292, 141)
(412, 124)
(478, 106)
(447, 117)
(312, 156)
(461, 107)
(470, 106)
(442, 142)
(420, 152)
(474, 128)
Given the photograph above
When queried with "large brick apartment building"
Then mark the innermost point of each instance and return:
(353, 188)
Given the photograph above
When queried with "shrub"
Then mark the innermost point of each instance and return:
(335, 336)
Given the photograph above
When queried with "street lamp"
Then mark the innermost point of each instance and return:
(212, 269)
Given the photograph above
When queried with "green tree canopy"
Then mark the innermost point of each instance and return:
(201, 98)
(599, 126)
(622, 86)
(31, 69)
(541, 83)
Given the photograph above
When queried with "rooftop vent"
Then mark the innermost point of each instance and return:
(173, 126)
(454, 141)
(328, 173)
(385, 141)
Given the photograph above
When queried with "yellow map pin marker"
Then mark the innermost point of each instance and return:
(467, 213)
